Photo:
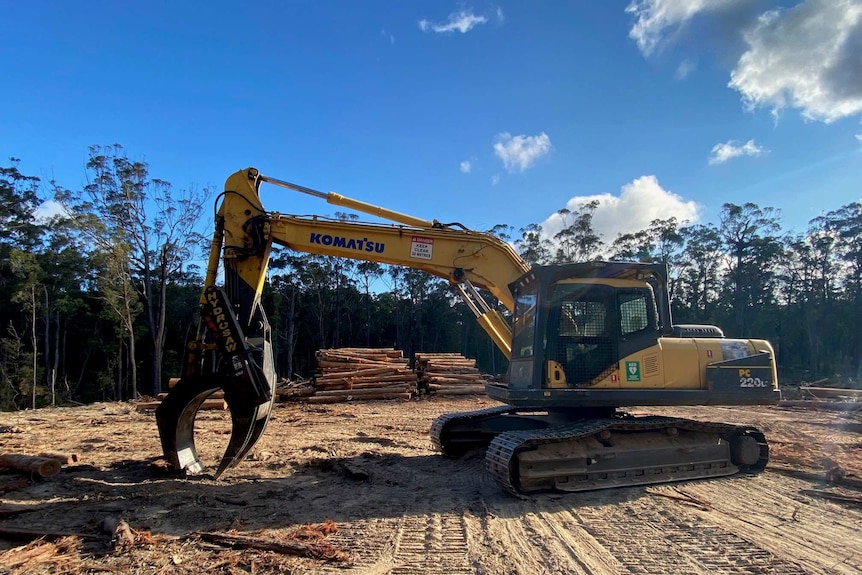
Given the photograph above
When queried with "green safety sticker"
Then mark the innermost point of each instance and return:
(633, 371)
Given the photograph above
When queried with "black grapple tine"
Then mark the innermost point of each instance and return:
(248, 423)
(175, 418)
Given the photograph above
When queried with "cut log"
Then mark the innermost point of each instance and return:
(358, 373)
(215, 395)
(353, 398)
(216, 404)
(832, 392)
(822, 404)
(400, 383)
(459, 391)
(41, 466)
(63, 458)
(359, 392)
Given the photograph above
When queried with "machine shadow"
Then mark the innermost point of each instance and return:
(367, 487)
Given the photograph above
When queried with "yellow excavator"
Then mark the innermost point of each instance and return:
(583, 340)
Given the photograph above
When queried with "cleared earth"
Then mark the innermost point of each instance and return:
(401, 508)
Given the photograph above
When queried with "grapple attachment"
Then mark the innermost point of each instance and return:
(239, 365)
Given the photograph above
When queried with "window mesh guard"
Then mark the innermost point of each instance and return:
(584, 348)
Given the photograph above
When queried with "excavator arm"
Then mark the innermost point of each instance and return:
(233, 351)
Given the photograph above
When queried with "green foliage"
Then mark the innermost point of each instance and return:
(578, 240)
(100, 297)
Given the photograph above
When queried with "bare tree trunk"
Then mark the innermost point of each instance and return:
(291, 330)
(120, 371)
(56, 363)
(33, 340)
(159, 329)
(130, 330)
(47, 344)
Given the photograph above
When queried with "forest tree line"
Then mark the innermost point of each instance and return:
(98, 302)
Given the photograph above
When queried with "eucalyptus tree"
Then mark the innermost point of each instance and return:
(697, 287)
(754, 249)
(19, 199)
(145, 231)
(533, 246)
(810, 289)
(846, 223)
(367, 274)
(657, 243)
(24, 265)
(578, 240)
(20, 281)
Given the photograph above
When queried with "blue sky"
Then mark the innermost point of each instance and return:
(482, 113)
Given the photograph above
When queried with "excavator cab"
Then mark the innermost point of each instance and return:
(600, 334)
(573, 324)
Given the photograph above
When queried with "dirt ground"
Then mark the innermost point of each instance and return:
(401, 508)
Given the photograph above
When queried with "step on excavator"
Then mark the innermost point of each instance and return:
(584, 340)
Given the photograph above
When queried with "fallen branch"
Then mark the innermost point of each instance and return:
(832, 496)
(684, 497)
(324, 551)
(811, 476)
(822, 404)
(28, 534)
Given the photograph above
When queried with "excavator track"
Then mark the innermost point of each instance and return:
(602, 453)
(440, 428)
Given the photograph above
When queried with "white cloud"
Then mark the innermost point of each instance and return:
(657, 19)
(808, 57)
(519, 153)
(48, 210)
(859, 137)
(639, 202)
(466, 166)
(729, 150)
(462, 21)
(495, 179)
(389, 37)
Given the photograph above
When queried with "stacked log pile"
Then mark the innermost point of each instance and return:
(354, 373)
(449, 374)
(215, 401)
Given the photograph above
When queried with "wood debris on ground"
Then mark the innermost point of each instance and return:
(61, 556)
(354, 373)
(821, 398)
(66, 552)
(304, 541)
(449, 374)
(294, 389)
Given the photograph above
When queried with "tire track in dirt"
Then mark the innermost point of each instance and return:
(818, 535)
(656, 537)
(513, 534)
(433, 544)
(369, 543)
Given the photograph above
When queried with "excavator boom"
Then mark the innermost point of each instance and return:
(233, 349)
